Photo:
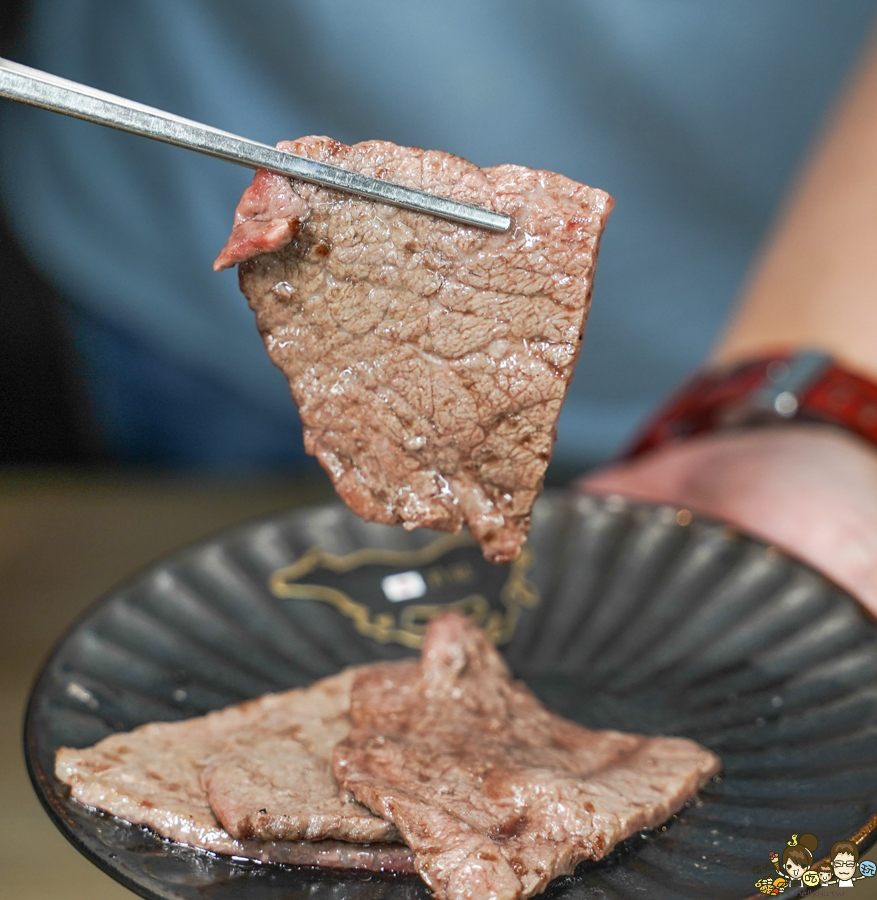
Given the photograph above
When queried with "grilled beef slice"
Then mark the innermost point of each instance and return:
(273, 781)
(429, 360)
(494, 794)
(151, 776)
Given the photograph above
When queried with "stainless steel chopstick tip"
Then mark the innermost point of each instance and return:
(36, 88)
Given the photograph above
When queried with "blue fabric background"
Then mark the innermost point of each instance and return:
(692, 114)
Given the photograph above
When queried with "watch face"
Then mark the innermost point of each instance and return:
(620, 615)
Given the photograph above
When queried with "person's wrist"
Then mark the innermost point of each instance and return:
(783, 446)
(807, 488)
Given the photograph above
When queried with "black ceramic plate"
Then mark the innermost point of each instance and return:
(620, 615)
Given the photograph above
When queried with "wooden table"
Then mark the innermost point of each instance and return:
(65, 540)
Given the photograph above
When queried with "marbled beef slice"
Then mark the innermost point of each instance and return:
(152, 776)
(273, 781)
(428, 360)
(494, 794)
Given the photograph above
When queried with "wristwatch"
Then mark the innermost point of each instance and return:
(805, 386)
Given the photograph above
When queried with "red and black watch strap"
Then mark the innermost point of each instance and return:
(780, 387)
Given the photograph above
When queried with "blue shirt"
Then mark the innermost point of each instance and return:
(693, 115)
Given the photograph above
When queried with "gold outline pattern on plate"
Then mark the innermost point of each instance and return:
(518, 592)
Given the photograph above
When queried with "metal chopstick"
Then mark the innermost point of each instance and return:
(27, 85)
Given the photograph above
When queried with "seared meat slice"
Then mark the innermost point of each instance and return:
(494, 794)
(273, 781)
(151, 776)
(428, 360)
(279, 790)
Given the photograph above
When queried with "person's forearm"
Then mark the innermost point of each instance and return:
(807, 488)
(815, 284)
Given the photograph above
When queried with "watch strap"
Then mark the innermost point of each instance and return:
(778, 387)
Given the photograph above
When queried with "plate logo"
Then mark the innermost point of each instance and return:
(390, 595)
